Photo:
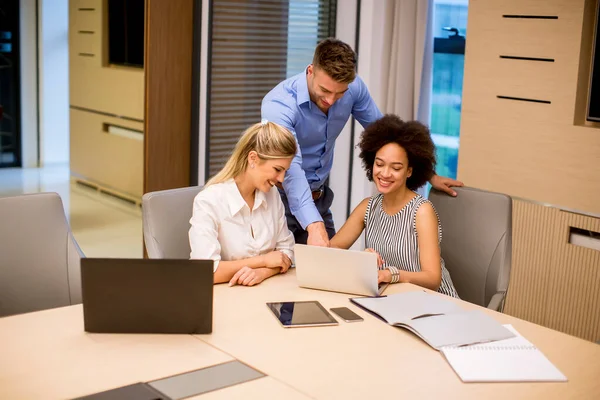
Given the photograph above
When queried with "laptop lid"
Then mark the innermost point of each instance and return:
(147, 295)
(336, 270)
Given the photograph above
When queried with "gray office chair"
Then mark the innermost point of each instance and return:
(477, 243)
(39, 258)
(166, 219)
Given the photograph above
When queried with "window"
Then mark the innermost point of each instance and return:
(449, 31)
(254, 46)
(10, 86)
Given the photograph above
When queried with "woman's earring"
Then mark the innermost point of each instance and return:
(251, 165)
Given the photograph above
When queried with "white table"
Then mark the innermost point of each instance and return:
(47, 354)
(371, 359)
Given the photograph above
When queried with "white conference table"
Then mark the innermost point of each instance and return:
(371, 359)
(47, 354)
(259, 389)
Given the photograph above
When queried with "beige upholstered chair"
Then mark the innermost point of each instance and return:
(476, 243)
(39, 258)
(166, 218)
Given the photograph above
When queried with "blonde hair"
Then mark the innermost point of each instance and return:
(268, 139)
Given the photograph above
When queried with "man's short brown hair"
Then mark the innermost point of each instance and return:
(336, 59)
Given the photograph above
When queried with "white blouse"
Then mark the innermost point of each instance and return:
(224, 227)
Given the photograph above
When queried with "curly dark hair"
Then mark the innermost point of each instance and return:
(337, 59)
(412, 136)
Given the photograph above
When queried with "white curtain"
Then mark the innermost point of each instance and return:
(410, 59)
(395, 57)
(408, 93)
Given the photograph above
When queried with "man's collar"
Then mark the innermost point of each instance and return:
(302, 95)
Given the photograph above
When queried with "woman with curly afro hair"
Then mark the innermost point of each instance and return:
(401, 226)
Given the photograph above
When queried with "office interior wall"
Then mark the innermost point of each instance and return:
(346, 29)
(168, 93)
(103, 96)
(537, 151)
(203, 92)
(29, 83)
(554, 282)
(95, 84)
(528, 149)
(53, 41)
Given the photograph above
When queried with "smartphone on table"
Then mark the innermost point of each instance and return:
(346, 314)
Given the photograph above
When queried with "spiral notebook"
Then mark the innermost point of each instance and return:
(508, 360)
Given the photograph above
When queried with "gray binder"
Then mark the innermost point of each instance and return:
(137, 391)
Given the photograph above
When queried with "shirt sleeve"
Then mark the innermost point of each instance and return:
(295, 184)
(285, 238)
(364, 109)
(203, 232)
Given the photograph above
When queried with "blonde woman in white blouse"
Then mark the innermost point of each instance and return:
(238, 219)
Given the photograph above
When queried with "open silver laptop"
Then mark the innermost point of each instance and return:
(337, 270)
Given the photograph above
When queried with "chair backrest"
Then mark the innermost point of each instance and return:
(476, 241)
(166, 218)
(39, 258)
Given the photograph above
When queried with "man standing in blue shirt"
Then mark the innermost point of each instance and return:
(315, 105)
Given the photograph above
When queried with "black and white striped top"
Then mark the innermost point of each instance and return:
(394, 237)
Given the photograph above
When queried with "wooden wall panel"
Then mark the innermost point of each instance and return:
(554, 283)
(94, 84)
(539, 153)
(102, 94)
(548, 162)
(525, 7)
(574, 289)
(168, 64)
(111, 162)
(534, 237)
(528, 150)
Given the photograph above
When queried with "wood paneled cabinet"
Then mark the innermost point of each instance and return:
(105, 99)
(554, 282)
(113, 162)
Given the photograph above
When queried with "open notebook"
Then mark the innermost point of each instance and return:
(437, 321)
(509, 360)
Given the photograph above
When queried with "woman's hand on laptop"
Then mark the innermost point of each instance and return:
(384, 276)
(277, 259)
(380, 261)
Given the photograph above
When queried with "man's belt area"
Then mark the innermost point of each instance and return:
(316, 194)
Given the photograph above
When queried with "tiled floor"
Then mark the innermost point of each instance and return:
(102, 225)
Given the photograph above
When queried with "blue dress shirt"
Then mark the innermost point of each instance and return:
(289, 105)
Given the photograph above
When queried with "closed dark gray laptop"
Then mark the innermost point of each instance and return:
(147, 295)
